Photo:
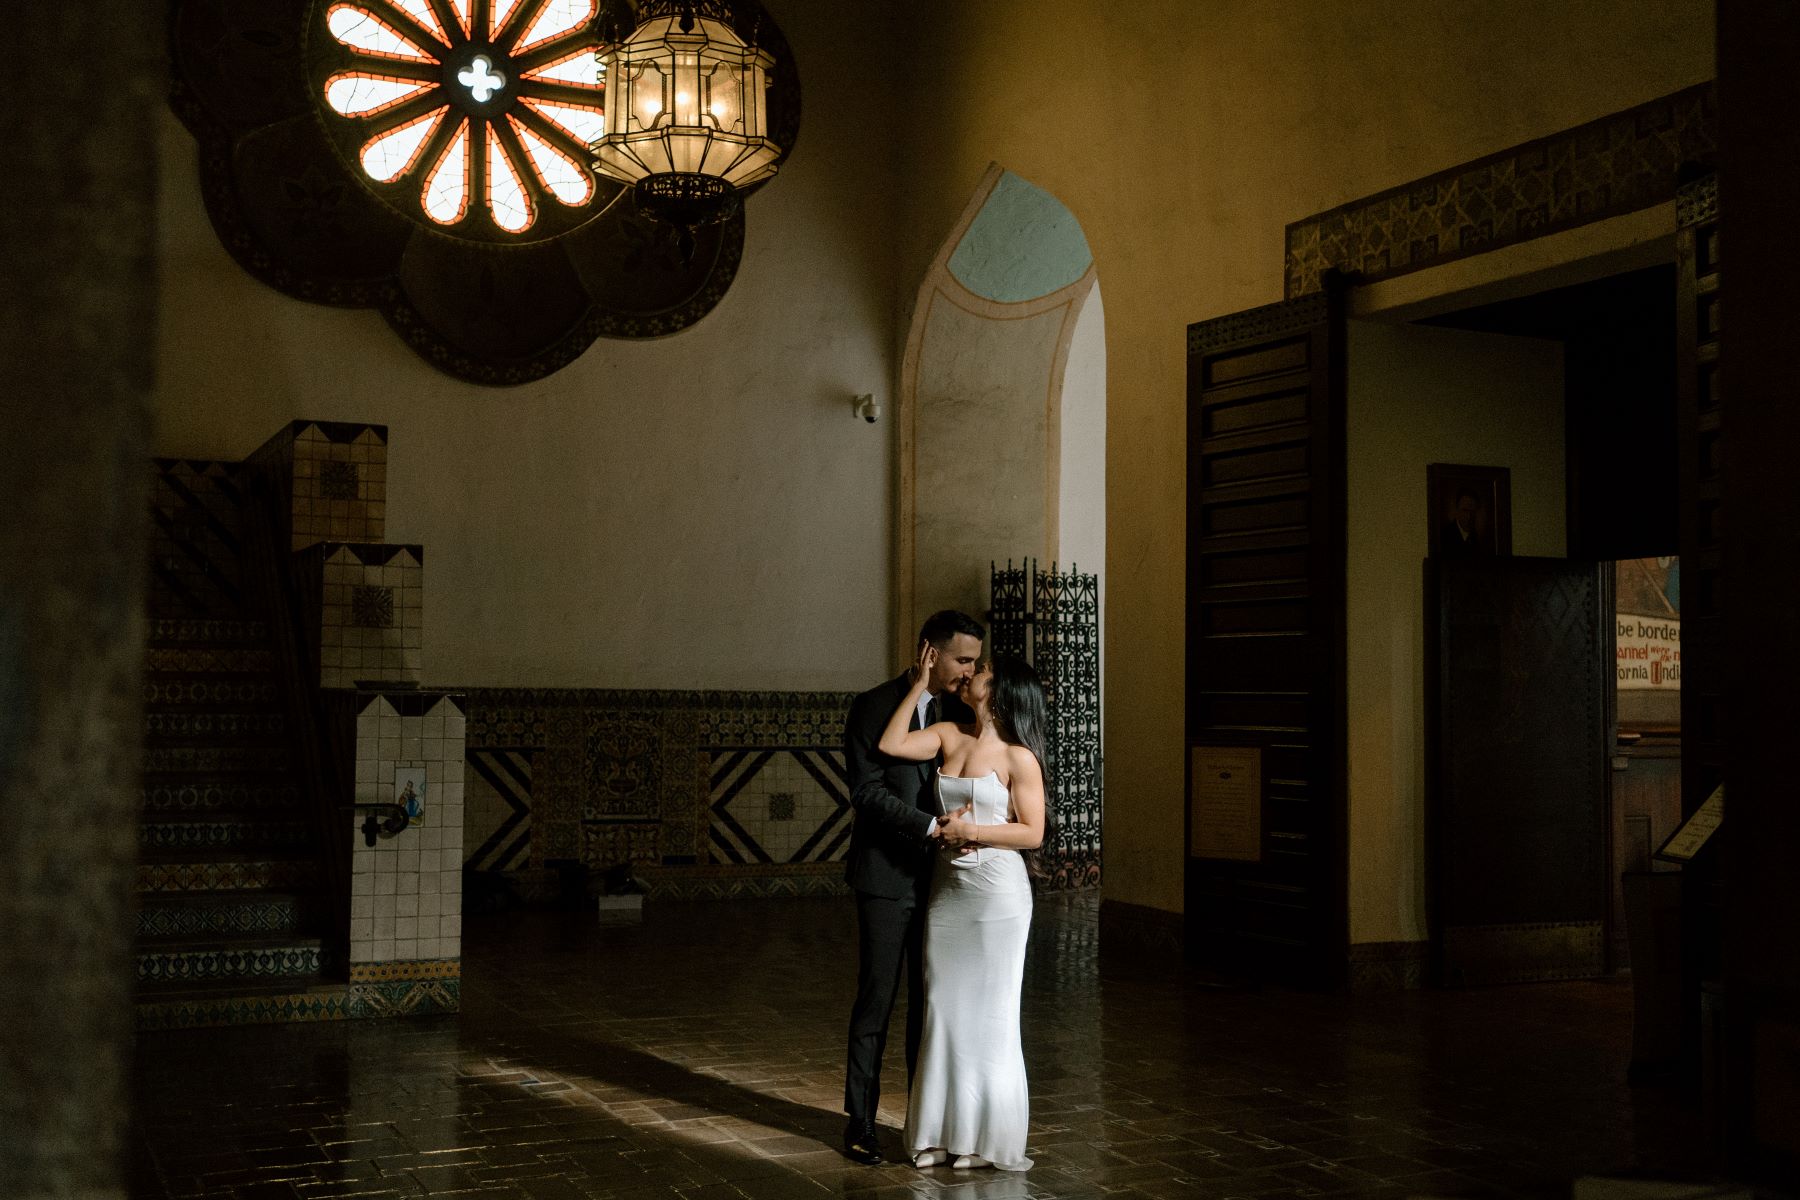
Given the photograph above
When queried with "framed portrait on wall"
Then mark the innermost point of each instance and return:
(1470, 510)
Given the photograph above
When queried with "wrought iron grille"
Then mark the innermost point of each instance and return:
(1052, 619)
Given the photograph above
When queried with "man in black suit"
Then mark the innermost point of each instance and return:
(892, 848)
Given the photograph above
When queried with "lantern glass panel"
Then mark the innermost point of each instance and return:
(725, 98)
(647, 101)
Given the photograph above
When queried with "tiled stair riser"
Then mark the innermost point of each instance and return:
(203, 659)
(225, 876)
(168, 966)
(406, 891)
(224, 835)
(178, 724)
(253, 914)
(207, 632)
(189, 795)
(335, 477)
(238, 693)
(207, 760)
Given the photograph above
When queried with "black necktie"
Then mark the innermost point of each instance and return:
(931, 712)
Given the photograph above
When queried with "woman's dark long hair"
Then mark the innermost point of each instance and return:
(1016, 701)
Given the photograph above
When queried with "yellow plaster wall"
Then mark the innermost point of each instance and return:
(1184, 136)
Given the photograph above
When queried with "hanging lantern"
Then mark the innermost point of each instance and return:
(686, 114)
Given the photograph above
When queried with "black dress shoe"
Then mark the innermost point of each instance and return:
(860, 1144)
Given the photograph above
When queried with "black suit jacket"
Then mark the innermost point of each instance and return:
(889, 852)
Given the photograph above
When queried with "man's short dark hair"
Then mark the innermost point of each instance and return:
(940, 627)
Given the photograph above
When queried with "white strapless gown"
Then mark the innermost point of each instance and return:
(969, 1093)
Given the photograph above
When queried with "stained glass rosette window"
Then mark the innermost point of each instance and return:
(471, 116)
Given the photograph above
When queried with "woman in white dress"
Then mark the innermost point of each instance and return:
(969, 1105)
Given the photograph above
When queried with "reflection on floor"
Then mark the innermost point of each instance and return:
(700, 1055)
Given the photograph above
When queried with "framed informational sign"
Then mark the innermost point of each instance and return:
(1225, 802)
(1693, 833)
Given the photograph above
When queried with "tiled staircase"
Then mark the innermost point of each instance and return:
(231, 917)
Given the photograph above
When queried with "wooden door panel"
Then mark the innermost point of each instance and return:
(1265, 629)
(1517, 821)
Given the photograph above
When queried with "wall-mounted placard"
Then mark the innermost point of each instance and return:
(1692, 833)
(1225, 802)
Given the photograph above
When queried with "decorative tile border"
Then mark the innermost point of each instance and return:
(271, 913)
(182, 659)
(1617, 164)
(263, 962)
(225, 876)
(323, 1004)
(627, 777)
(413, 989)
(400, 972)
(223, 835)
(185, 796)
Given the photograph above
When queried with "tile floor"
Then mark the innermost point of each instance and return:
(699, 1056)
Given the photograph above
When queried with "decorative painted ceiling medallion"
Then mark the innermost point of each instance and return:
(429, 158)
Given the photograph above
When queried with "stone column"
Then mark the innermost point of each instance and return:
(77, 236)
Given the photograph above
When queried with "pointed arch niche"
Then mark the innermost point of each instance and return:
(1002, 404)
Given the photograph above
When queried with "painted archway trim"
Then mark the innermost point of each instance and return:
(1012, 236)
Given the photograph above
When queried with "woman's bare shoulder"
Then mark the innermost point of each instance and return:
(1024, 763)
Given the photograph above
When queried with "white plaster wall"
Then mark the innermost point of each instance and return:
(1081, 516)
(698, 511)
(981, 437)
(1419, 395)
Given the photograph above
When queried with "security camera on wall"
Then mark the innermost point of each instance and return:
(865, 407)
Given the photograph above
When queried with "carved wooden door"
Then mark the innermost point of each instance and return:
(1265, 616)
(1517, 733)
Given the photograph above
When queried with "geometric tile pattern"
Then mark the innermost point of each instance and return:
(406, 890)
(196, 540)
(370, 605)
(626, 776)
(338, 481)
(497, 810)
(257, 912)
(171, 659)
(778, 806)
(314, 1004)
(1620, 163)
(237, 875)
